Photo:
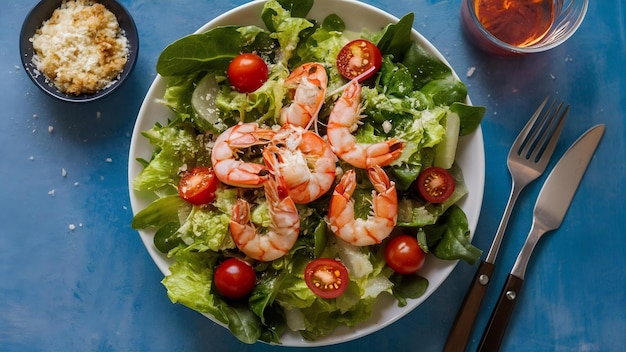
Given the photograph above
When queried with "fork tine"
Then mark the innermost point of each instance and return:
(538, 131)
(522, 136)
(545, 130)
(549, 148)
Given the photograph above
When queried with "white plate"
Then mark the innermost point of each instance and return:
(470, 157)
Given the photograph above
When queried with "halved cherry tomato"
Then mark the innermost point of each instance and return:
(357, 57)
(198, 186)
(327, 278)
(404, 255)
(435, 184)
(234, 278)
(247, 72)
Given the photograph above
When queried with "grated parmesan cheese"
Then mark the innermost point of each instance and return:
(81, 48)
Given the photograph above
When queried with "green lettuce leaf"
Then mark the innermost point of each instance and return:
(175, 146)
(189, 283)
(204, 230)
(285, 28)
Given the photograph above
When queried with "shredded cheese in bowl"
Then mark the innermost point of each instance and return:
(81, 49)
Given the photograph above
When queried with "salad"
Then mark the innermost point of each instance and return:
(249, 247)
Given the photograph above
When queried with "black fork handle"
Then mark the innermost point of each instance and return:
(464, 322)
(499, 320)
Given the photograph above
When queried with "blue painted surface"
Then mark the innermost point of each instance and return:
(96, 288)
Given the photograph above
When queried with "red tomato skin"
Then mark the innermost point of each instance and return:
(234, 278)
(329, 268)
(247, 72)
(358, 56)
(435, 184)
(404, 255)
(198, 186)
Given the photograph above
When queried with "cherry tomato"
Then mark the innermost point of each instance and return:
(357, 57)
(234, 278)
(404, 255)
(247, 72)
(435, 184)
(327, 278)
(198, 186)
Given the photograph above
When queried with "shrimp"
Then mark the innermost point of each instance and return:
(281, 234)
(378, 225)
(304, 160)
(310, 82)
(343, 121)
(233, 171)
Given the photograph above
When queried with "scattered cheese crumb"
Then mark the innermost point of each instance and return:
(72, 227)
(31, 158)
(387, 126)
(35, 116)
(63, 172)
(50, 129)
(76, 184)
(470, 71)
(51, 192)
(98, 114)
(81, 48)
(109, 160)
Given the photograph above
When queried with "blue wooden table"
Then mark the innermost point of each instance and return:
(75, 276)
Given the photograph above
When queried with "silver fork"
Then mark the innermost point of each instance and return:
(529, 155)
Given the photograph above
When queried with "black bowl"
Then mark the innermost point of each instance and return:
(42, 12)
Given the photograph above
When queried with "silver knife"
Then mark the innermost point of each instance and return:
(552, 204)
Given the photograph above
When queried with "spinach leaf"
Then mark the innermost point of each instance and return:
(298, 8)
(455, 243)
(158, 213)
(242, 322)
(333, 23)
(265, 291)
(210, 51)
(165, 238)
(424, 66)
(408, 286)
(396, 38)
(445, 91)
(470, 116)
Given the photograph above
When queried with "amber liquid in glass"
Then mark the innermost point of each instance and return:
(516, 22)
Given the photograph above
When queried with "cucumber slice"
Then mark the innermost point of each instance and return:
(445, 152)
(203, 102)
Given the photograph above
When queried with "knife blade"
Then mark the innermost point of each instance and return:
(552, 204)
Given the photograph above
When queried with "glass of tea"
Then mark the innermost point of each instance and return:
(512, 27)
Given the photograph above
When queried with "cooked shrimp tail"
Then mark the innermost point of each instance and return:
(344, 120)
(304, 160)
(379, 224)
(309, 82)
(282, 233)
(231, 170)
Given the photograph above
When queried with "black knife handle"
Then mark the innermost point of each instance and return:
(464, 322)
(496, 327)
